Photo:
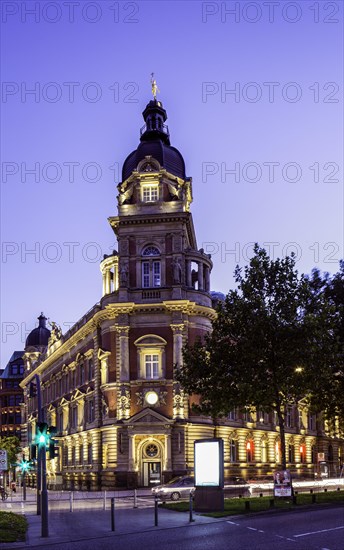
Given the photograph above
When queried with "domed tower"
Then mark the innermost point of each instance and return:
(39, 336)
(158, 255)
(36, 342)
(157, 288)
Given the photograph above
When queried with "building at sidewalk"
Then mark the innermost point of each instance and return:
(11, 396)
(108, 384)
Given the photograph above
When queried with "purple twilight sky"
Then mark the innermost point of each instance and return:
(253, 95)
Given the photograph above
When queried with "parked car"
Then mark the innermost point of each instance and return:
(178, 487)
(181, 487)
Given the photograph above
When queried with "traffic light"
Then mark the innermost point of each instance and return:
(25, 465)
(53, 448)
(33, 451)
(53, 443)
(42, 436)
(32, 389)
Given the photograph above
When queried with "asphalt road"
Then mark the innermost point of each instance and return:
(320, 529)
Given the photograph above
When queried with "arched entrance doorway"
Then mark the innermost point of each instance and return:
(151, 456)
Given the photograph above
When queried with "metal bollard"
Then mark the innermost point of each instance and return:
(71, 502)
(247, 505)
(135, 498)
(104, 501)
(112, 513)
(190, 508)
(156, 511)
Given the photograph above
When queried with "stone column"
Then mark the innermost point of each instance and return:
(200, 276)
(115, 277)
(188, 273)
(207, 278)
(177, 343)
(104, 282)
(123, 334)
(131, 453)
(107, 281)
(168, 453)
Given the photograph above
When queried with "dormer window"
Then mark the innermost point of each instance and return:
(150, 192)
(151, 267)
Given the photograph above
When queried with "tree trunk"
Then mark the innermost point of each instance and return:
(282, 436)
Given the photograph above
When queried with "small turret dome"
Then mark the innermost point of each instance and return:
(155, 142)
(40, 335)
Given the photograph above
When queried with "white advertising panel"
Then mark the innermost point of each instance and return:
(209, 463)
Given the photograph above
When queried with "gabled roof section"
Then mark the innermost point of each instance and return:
(148, 416)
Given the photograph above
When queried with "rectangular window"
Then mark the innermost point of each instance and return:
(90, 369)
(60, 422)
(156, 274)
(311, 422)
(150, 193)
(289, 418)
(74, 417)
(82, 374)
(152, 366)
(232, 415)
(90, 413)
(145, 275)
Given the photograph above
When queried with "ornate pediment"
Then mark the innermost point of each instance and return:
(148, 416)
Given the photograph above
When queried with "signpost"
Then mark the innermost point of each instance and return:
(3, 463)
(3, 460)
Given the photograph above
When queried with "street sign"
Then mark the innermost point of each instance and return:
(3, 459)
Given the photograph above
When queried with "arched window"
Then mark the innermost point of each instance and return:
(264, 450)
(291, 452)
(249, 450)
(151, 267)
(151, 356)
(233, 450)
(302, 453)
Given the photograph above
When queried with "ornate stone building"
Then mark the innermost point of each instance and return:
(108, 384)
(11, 396)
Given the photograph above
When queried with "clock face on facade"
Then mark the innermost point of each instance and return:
(151, 450)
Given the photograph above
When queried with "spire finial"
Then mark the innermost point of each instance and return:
(155, 88)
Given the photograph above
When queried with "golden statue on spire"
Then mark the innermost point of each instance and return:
(155, 88)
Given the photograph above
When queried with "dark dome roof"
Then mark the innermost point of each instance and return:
(155, 142)
(168, 157)
(40, 335)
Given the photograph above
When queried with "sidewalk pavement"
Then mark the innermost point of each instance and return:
(67, 527)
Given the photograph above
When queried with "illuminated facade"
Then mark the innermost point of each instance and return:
(108, 384)
(11, 396)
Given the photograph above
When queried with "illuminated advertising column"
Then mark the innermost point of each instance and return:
(209, 475)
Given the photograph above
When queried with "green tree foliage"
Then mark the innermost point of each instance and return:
(11, 444)
(327, 305)
(263, 350)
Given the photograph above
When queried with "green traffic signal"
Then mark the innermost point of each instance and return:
(42, 436)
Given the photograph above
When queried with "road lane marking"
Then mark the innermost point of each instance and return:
(252, 528)
(316, 532)
(285, 538)
(232, 523)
